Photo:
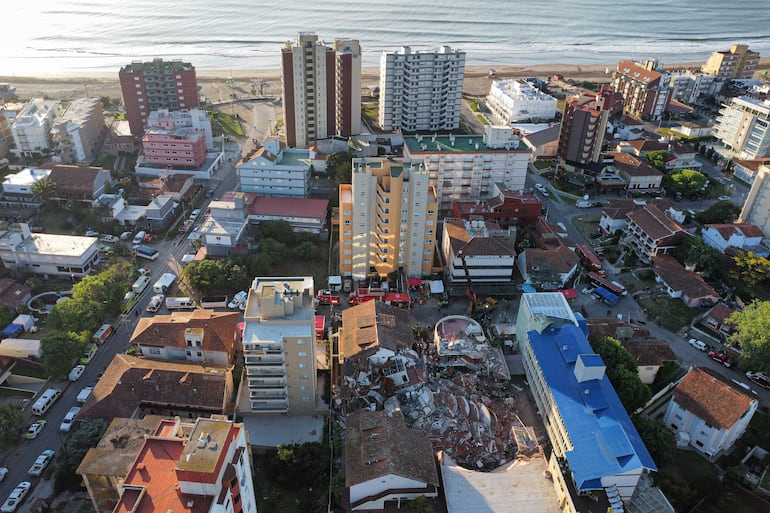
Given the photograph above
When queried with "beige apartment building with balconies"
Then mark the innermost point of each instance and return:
(77, 132)
(388, 219)
(279, 375)
(737, 62)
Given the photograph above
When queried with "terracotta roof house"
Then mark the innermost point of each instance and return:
(545, 143)
(640, 147)
(78, 182)
(680, 283)
(716, 318)
(479, 248)
(548, 268)
(650, 232)
(745, 236)
(614, 212)
(303, 214)
(746, 170)
(374, 330)
(709, 412)
(133, 387)
(203, 336)
(649, 356)
(386, 461)
(682, 156)
(599, 327)
(638, 174)
(505, 207)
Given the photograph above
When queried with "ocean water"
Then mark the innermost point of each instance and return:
(50, 36)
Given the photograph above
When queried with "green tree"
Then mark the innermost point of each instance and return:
(44, 189)
(85, 437)
(719, 212)
(622, 373)
(751, 269)
(657, 159)
(694, 250)
(61, 350)
(279, 230)
(11, 421)
(685, 181)
(305, 251)
(752, 335)
(274, 249)
(419, 505)
(339, 165)
(258, 264)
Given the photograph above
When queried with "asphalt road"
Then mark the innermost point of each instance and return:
(19, 459)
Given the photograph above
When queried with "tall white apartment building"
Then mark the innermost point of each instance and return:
(742, 125)
(77, 132)
(31, 128)
(388, 219)
(691, 86)
(466, 167)
(421, 90)
(321, 89)
(279, 348)
(512, 101)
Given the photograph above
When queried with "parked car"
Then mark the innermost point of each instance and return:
(17, 495)
(759, 378)
(41, 463)
(35, 429)
(238, 300)
(3, 473)
(109, 238)
(89, 353)
(76, 372)
(92, 233)
(66, 423)
(195, 213)
(721, 357)
(143, 271)
(126, 235)
(697, 344)
(724, 198)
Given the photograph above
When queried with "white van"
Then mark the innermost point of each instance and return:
(139, 237)
(45, 401)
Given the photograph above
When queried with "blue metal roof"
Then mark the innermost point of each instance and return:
(605, 440)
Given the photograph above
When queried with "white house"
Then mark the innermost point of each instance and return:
(709, 412)
(479, 248)
(386, 461)
(31, 128)
(738, 235)
(21, 183)
(276, 171)
(46, 254)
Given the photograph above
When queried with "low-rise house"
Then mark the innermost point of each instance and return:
(681, 156)
(545, 143)
(637, 173)
(548, 269)
(304, 215)
(223, 229)
(613, 217)
(374, 330)
(480, 250)
(159, 213)
(650, 232)
(743, 236)
(178, 186)
(692, 129)
(717, 317)
(19, 185)
(641, 147)
(133, 387)
(680, 283)
(505, 207)
(13, 293)
(649, 355)
(709, 412)
(46, 254)
(199, 336)
(746, 170)
(79, 183)
(386, 461)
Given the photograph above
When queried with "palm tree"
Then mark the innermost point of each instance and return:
(44, 189)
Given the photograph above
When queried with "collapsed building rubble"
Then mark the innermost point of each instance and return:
(456, 390)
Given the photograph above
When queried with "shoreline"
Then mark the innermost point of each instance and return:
(70, 85)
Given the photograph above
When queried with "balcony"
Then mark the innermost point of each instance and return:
(264, 370)
(267, 382)
(263, 405)
(263, 359)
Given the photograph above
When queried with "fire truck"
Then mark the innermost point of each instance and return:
(327, 297)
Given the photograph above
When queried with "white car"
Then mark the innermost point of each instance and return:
(724, 198)
(17, 495)
(41, 463)
(109, 238)
(697, 344)
(155, 302)
(66, 423)
(195, 213)
(238, 300)
(92, 233)
(3, 472)
(76, 372)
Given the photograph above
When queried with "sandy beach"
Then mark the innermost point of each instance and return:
(67, 86)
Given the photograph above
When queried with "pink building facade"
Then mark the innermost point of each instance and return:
(181, 147)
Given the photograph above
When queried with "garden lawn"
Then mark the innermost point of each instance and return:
(672, 314)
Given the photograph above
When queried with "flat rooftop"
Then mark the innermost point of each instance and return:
(294, 158)
(462, 144)
(58, 245)
(212, 226)
(27, 176)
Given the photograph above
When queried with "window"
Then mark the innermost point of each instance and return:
(305, 398)
(153, 350)
(302, 354)
(302, 366)
(304, 376)
(301, 342)
(304, 387)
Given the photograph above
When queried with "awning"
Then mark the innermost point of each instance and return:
(414, 282)
(436, 287)
(569, 293)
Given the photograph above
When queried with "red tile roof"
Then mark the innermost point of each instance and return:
(753, 164)
(561, 260)
(650, 352)
(130, 383)
(678, 279)
(654, 222)
(720, 313)
(470, 245)
(712, 398)
(637, 72)
(633, 165)
(374, 324)
(219, 330)
(726, 230)
(294, 207)
(644, 145)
